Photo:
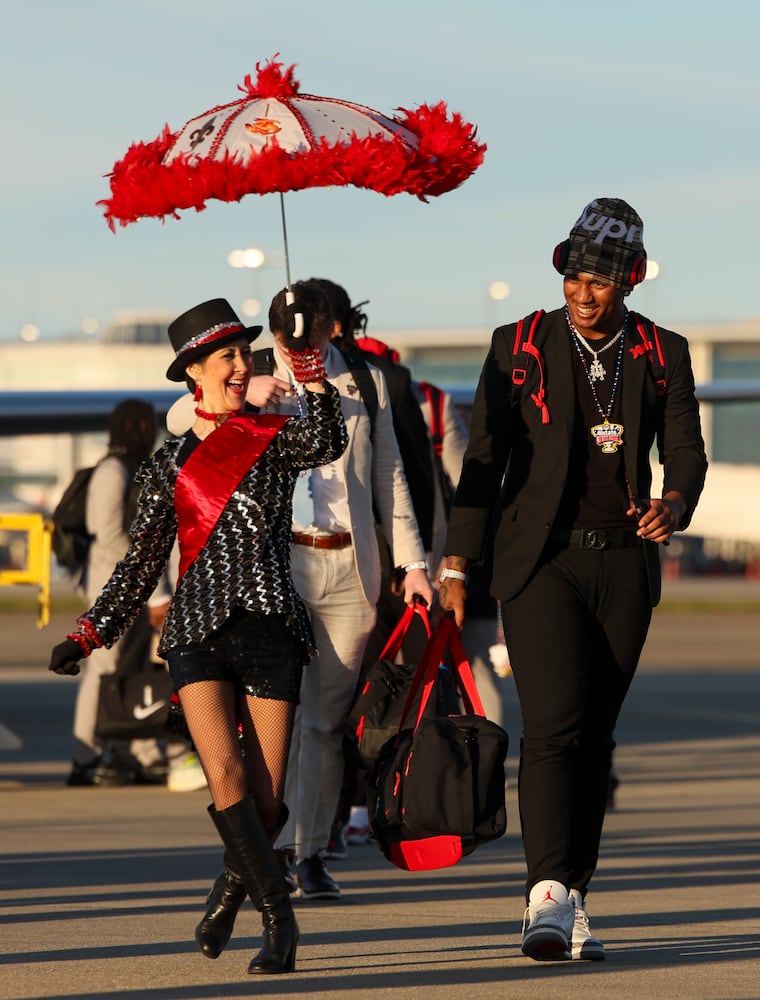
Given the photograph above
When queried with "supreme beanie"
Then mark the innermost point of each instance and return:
(607, 242)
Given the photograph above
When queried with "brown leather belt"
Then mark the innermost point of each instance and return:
(338, 541)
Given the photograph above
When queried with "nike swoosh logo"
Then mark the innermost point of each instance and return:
(141, 712)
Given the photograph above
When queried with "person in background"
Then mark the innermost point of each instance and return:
(482, 633)
(446, 440)
(559, 455)
(350, 337)
(336, 567)
(351, 823)
(236, 635)
(110, 510)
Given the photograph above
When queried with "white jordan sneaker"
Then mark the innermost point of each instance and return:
(548, 923)
(585, 947)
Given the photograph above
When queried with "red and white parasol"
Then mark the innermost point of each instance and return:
(275, 139)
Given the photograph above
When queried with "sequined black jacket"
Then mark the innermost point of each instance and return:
(245, 562)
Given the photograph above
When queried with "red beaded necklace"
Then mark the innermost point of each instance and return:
(216, 418)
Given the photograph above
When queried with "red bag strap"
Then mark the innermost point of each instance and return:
(519, 375)
(435, 399)
(465, 679)
(445, 637)
(396, 639)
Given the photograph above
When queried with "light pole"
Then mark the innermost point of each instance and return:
(253, 259)
(498, 291)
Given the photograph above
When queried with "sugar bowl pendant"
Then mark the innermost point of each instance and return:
(607, 436)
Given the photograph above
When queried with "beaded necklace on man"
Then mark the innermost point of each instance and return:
(607, 436)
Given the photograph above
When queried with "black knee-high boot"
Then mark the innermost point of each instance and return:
(251, 851)
(223, 902)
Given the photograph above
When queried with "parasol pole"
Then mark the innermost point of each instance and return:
(285, 240)
(289, 296)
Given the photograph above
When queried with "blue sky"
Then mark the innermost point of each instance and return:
(655, 102)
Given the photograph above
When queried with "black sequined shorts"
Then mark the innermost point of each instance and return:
(260, 654)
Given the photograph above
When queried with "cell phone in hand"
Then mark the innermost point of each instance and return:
(639, 506)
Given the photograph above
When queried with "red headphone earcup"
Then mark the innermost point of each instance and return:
(638, 269)
(560, 255)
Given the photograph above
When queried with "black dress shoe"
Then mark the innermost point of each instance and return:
(151, 774)
(110, 775)
(315, 880)
(82, 775)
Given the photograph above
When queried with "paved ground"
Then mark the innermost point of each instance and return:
(101, 888)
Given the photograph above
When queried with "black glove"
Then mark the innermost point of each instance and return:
(64, 658)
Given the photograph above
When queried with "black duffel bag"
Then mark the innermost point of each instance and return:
(439, 785)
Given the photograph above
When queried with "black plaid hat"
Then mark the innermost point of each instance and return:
(606, 241)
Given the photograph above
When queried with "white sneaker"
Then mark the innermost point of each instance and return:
(186, 774)
(548, 923)
(585, 947)
(359, 830)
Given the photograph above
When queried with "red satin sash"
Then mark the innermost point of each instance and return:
(213, 472)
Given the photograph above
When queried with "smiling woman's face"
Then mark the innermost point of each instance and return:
(223, 377)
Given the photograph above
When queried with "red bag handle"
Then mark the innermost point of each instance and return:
(396, 639)
(445, 637)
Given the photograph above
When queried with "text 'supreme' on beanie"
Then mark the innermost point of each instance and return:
(607, 241)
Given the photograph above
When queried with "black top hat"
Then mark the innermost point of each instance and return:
(203, 329)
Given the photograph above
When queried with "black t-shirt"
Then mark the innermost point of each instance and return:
(596, 494)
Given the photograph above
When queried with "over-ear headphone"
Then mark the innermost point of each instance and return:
(560, 255)
(637, 264)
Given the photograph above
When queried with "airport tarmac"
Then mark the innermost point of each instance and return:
(102, 888)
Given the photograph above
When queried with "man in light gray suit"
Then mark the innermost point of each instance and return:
(336, 569)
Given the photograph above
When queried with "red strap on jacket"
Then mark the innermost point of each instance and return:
(435, 400)
(653, 350)
(519, 375)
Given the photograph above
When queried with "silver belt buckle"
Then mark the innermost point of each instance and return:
(595, 539)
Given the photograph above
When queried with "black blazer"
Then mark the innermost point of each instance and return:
(505, 434)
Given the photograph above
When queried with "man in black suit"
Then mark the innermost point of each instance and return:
(557, 461)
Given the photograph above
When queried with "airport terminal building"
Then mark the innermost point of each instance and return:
(132, 354)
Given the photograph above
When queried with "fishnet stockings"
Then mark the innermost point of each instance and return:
(254, 766)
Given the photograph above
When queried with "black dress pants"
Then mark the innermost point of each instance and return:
(574, 634)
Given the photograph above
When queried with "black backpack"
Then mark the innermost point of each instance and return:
(71, 540)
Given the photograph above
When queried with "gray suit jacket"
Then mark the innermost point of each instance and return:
(373, 474)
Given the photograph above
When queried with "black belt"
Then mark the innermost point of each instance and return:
(595, 538)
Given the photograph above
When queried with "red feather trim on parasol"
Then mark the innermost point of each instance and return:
(276, 139)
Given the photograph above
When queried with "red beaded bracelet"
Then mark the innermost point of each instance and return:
(308, 365)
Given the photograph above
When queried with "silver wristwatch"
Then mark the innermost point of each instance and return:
(454, 574)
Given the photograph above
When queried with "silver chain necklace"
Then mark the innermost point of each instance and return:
(596, 369)
(607, 436)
